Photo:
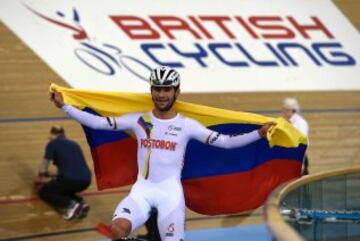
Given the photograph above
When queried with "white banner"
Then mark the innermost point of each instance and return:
(217, 46)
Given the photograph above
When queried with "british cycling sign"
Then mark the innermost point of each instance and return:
(236, 46)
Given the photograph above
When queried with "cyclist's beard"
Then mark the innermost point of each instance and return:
(167, 107)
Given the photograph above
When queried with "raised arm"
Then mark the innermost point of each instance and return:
(199, 132)
(91, 120)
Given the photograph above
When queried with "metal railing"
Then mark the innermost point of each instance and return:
(323, 206)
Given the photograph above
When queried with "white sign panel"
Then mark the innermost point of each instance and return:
(228, 45)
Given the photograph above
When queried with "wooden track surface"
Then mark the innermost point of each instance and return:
(334, 121)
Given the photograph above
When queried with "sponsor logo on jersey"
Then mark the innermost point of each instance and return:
(170, 230)
(170, 133)
(235, 135)
(173, 130)
(158, 144)
(212, 138)
(126, 210)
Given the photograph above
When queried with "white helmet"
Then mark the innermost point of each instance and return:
(292, 104)
(164, 76)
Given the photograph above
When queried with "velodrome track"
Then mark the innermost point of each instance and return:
(26, 116)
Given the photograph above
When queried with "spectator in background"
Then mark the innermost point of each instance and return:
(291, 112)
(73, 175)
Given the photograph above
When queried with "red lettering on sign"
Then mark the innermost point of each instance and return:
(319, 26)
(220, 22)
(170, 23)
(135, 27)
(246, 27)
(198, 24)
(272, 23)
(266, 27)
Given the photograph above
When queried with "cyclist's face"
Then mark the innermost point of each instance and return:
(164, 97)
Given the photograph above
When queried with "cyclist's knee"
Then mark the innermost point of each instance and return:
(120, 228)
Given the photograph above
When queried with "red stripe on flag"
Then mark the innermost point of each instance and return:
(114, 170)
(238, 192)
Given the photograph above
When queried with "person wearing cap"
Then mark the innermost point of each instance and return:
(73, 175)
(291, 112)
(162, 135)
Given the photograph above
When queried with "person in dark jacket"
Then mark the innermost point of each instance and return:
(73, 175)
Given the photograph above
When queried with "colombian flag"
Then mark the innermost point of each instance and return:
(215, 180)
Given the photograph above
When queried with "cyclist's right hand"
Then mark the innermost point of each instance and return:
(57, 98)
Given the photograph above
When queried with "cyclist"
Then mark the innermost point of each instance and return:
(162, 135)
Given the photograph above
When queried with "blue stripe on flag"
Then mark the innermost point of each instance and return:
(202, 160)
